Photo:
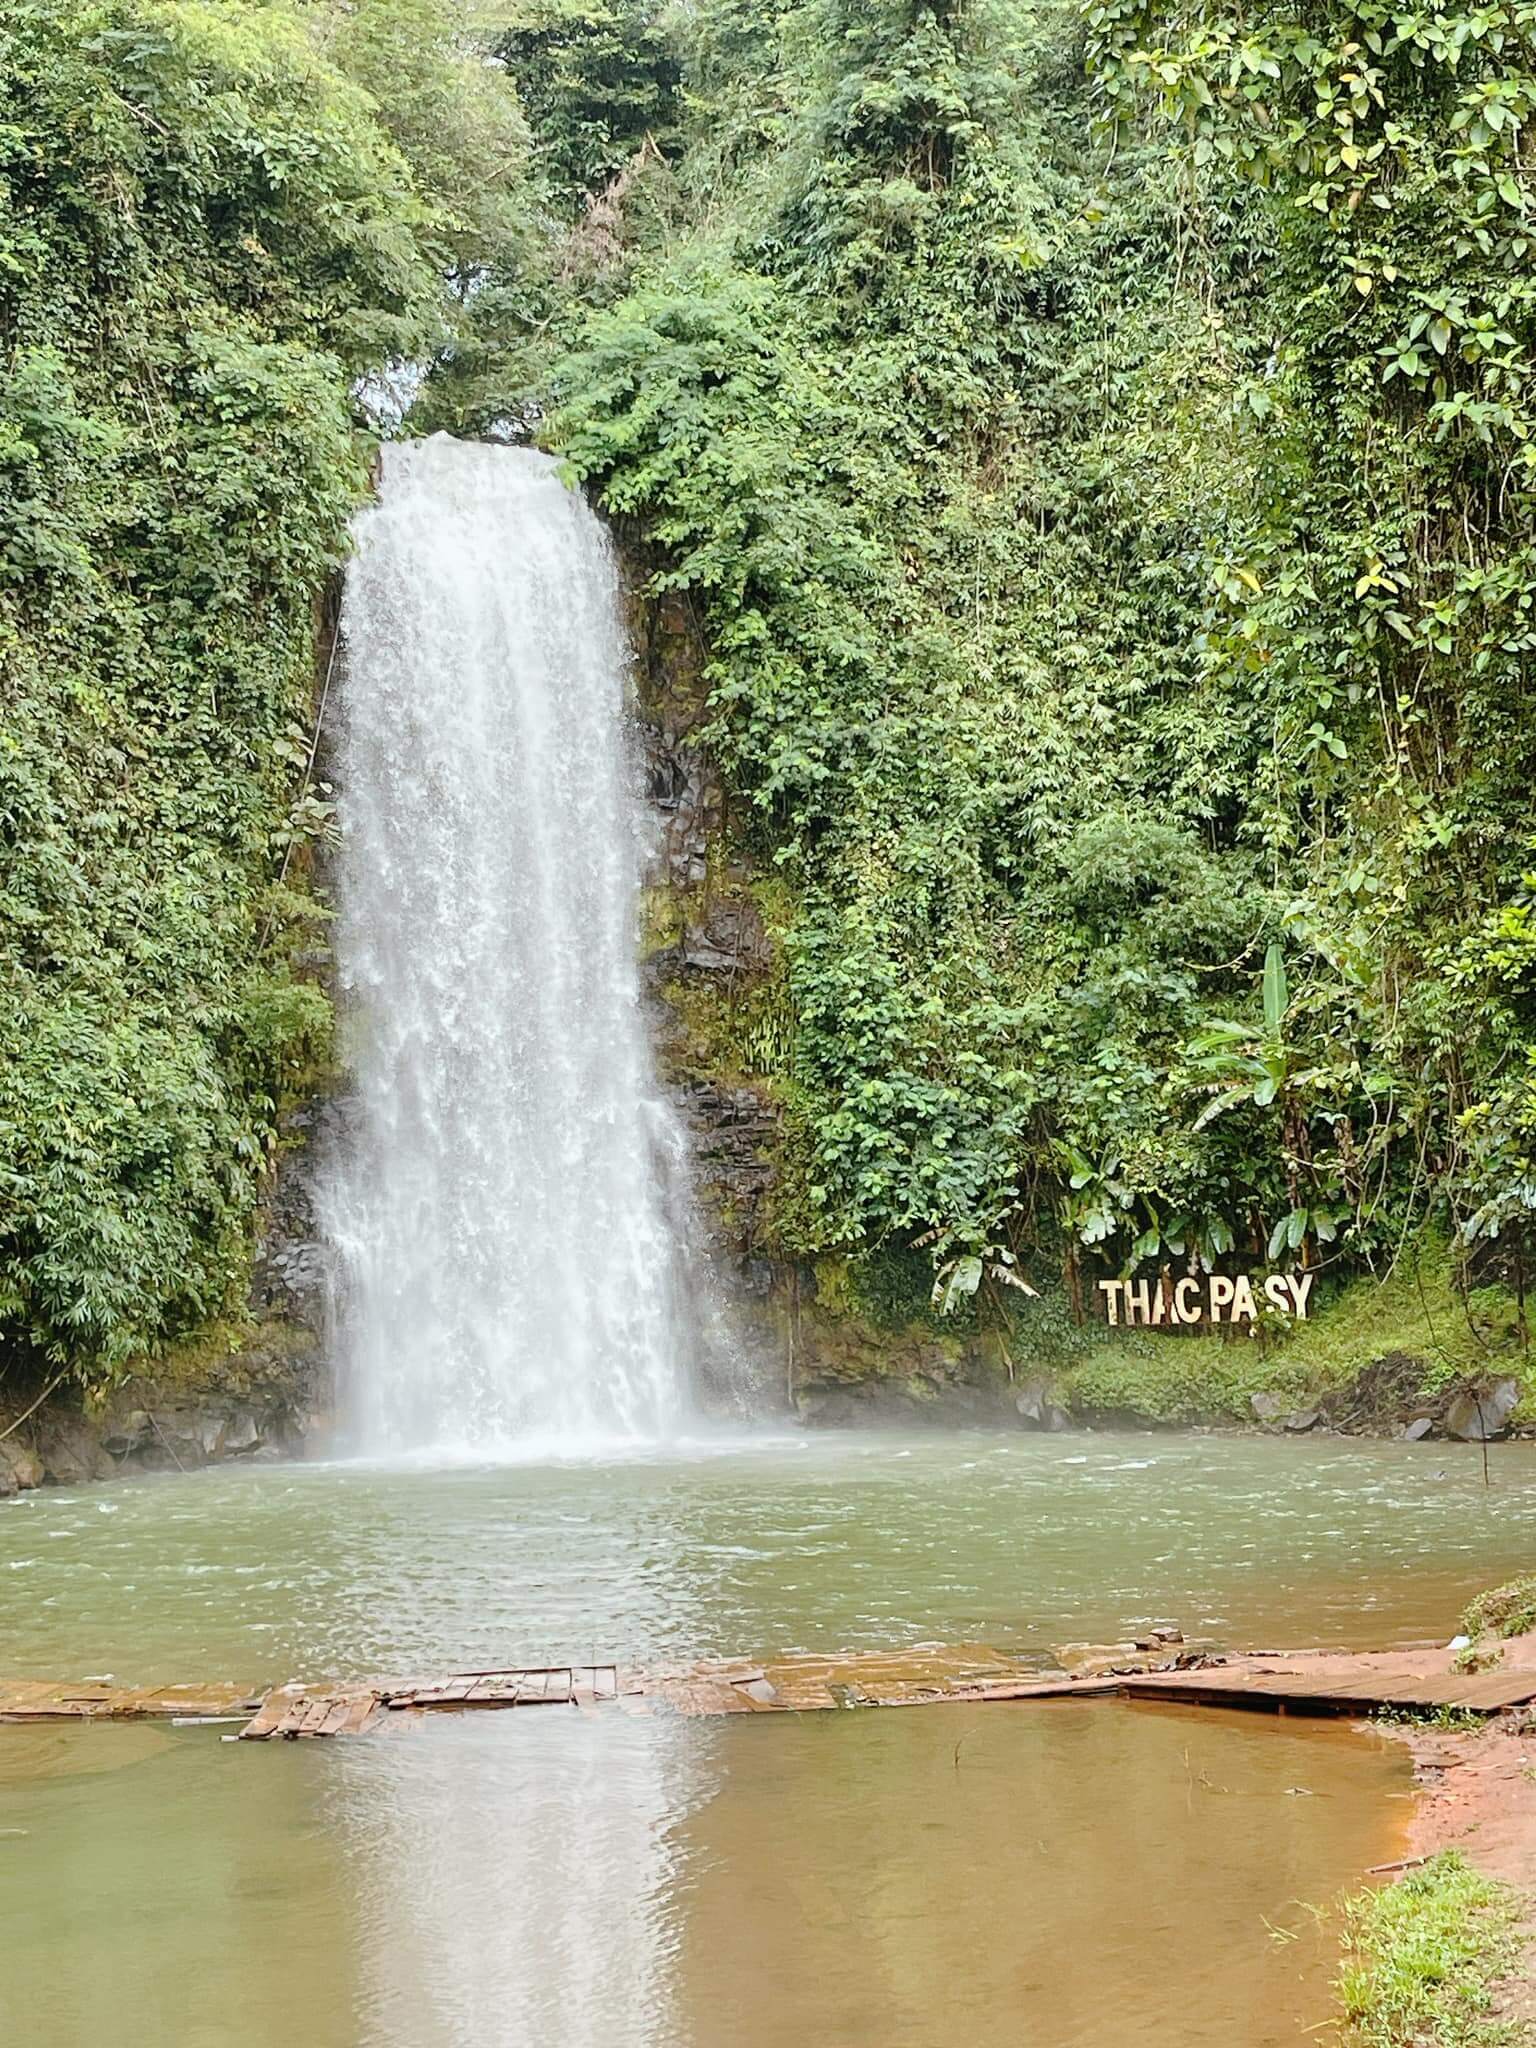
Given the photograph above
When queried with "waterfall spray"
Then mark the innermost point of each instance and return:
(508, 1274)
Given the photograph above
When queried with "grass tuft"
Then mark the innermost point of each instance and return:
(1507, 1610)
(1423, 1957)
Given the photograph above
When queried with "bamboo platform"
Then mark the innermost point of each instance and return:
(1313, 1682)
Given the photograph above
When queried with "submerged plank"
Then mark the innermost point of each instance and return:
(48, 1700)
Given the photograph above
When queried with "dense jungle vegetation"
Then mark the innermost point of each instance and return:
(1096, 445)
(214, 219)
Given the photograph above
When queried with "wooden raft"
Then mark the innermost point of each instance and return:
(793, 1684)
(1317, 1682)
(797, 1684)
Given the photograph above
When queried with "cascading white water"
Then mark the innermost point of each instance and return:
(501, 1214)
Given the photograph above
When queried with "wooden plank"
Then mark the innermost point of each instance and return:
(269, 1716)
(1499, 1688)
(20, 1698)
(549, 1686)
(362, 1711)
(1337, 1692)
(316, 1712)
(495, 1689)
(453, 1692)
(1041, 1688)
(759, 1690)
(39, 1699)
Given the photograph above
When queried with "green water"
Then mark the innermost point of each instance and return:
(1085, 1876)
(808, 1542)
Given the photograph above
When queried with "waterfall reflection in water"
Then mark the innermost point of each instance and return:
(513, 1884)
(1081, 1876)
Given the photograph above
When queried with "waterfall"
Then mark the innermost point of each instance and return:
(502, 1209)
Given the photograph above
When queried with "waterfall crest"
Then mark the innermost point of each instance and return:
(501, 1214)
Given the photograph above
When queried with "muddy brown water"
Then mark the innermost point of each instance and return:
(1083, 1875)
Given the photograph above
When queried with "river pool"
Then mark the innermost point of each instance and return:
(1082, 1873)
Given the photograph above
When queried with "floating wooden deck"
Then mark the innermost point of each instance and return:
(1315, 1682)
(798, 1684)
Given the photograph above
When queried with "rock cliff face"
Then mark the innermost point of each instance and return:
(717, 1006)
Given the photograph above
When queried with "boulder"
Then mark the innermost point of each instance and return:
(21, 1463)
(1036, 1409)
(242, 1435)
(1483, 1412)
(130, 1433)
(1420, 1427)
(728, 939)
(72, 1453)
(1031, 1400)
(1267, 1407)
(1303, 1419)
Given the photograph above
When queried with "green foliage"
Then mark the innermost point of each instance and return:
(870, 429)
(206, 231)
(1177, 1382)
(451, 115)
(1114, 547)
(1371, 1349)
(1447, 1720)
(1113, 558)
(599, 79)
(1424, 1957)
(852, 422)
(1381, 594)
(1508, 1610)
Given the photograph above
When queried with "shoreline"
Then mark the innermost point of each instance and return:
(1436, 1949)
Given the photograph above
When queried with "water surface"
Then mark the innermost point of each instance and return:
(1088, 1875)
(818, 1542)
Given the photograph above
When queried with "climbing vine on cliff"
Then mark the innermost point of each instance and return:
(1381, 596)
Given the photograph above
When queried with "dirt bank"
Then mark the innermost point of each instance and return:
(1477, 1793)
